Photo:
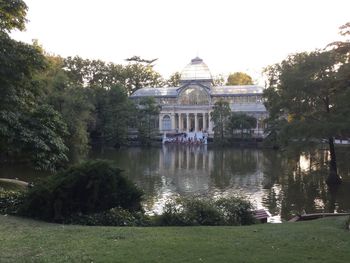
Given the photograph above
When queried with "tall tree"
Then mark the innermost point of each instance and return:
(239, 78)
(219, 116)
(72, 102)
(148, 112)
(311, 91)
(30, 130)
(241, 122)
(117, 112)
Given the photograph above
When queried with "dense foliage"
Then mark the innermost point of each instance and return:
(12, 15)
(308, 99)
(240, 122)
(228, 124)
(92, 187)
(197, 211)
(52, 109)
(148, 112)
(31, 131)
(112, 217)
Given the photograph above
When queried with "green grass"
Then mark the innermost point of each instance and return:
(325, 240)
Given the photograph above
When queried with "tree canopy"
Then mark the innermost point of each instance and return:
(241, 122)
(174, 80)
(12, 15)
(239, 78)
(30, 130)
(311, 92)
(140, 74)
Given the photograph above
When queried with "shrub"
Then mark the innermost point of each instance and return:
(92, 187)
(236, 211)
(10, 201)
(113, 217)
(172, 215)
(200, 211)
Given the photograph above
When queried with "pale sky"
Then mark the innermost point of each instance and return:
(228, 35)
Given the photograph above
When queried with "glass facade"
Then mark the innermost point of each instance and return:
(193, 95)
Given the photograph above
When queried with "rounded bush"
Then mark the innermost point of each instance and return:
(91, 187)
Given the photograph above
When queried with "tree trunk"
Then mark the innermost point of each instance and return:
(333, 177)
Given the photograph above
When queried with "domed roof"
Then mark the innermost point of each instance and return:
(196, 70)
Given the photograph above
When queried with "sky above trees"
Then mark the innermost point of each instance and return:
(229, 35)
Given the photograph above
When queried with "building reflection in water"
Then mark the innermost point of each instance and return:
(197, 170)
(282, 185)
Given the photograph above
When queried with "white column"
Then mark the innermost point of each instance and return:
(210, 124)
(196, 122)
(180, 122)
(173, 121)
(187, 122)
(204, 121)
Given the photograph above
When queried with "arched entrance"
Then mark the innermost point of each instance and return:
(166, 123)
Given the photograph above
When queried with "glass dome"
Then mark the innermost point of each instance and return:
(196, 70)
(193, 95)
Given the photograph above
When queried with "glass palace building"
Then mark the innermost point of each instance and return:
(187, 108)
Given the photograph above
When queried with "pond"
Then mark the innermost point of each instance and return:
(283, 186)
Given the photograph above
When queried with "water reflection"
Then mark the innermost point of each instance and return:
(282, 185)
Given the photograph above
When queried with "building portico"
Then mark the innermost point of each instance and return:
(184, 121)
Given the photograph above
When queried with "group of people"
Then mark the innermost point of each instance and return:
(192, 138)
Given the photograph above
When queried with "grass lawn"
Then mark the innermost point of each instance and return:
(325, 240)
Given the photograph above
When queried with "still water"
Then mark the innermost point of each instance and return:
(282, 185)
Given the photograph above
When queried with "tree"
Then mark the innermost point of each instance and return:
(42, 139)
(240, 121)
(117, 113)
(87, 188)
(219, 116)
(30, 130)
(148, 112)
(219, 80)
(239, 78)
(72, 101)
(139, 74)
(12, 15)
(311, 91)
(104, 85)
(174, 80)
(93, 73)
